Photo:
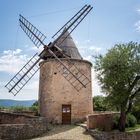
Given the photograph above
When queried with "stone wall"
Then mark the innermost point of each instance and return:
(115, 135)
(15, 126)
(102, 121)
(14, 118)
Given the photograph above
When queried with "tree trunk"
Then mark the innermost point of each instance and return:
(122, 119)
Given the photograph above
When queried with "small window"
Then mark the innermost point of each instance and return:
(64, 110)
(68, 110)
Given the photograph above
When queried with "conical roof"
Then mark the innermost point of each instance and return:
(68, 46)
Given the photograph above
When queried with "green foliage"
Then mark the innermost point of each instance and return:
(18, 108)
(35, 103)
(100, 103)
(131, 120)
(34, 107)
(129, 129)
(136, 108)
(115, 121)
(2, 107)
(116, 71)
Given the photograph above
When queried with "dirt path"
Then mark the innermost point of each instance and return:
(66, 132)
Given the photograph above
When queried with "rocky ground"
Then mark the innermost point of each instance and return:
(66, 132)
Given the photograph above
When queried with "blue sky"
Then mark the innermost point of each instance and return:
(110, 22)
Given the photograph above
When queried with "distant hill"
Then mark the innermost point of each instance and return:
(7, 102)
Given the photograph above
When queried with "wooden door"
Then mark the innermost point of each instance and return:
(66, 114)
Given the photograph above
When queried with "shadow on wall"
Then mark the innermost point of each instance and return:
(101, 120)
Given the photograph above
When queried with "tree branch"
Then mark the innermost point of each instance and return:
(131, 100)
(134, 82)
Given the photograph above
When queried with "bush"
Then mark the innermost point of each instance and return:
(115, 121)
(131, 120)
(34, 108)
(136, 113)
(18, 108)
(2, 107)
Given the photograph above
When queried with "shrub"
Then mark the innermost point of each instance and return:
(115, 121)
(136, 113)
(18, 108)
(131, 120)
(33, 108)
(2, 107)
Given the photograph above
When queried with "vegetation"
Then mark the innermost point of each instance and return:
(131, 121)
(100, 103)
(118, 72)
(136, 108)
(34, 108)
(129, 129)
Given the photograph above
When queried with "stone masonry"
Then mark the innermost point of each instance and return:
(18, 127)
(55, 90)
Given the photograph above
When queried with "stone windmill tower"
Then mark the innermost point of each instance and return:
(61, 102)
(65, 94)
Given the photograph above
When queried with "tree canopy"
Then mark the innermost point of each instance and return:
(100, 103)
(118, 72)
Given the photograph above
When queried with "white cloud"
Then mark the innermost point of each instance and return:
(76, 41)
(12, 61)
(138, 10)
(10, 52)
(34, 48)
(96, 90)
(94, 48)
(89, 58)
(137, 25)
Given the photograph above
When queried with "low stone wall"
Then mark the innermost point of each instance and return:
(115, 135)
(18, 127)
(102, 121)
(14, 118)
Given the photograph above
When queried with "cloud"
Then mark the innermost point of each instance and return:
(12, 60)
(137, 25)
(89, 58)
(10, 52)
(94, 48)
(88, 51)
(96, 89)
(138, 10)
(34, 48)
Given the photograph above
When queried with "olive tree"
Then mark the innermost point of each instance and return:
(118, 72)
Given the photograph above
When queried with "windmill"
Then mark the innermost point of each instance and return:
(51, 51)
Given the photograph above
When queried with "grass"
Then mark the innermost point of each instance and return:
(129, 129)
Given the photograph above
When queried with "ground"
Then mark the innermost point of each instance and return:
(66, 132)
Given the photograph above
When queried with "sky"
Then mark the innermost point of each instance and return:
(110, 22)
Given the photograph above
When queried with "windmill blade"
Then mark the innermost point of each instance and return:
(71, 73)
(72, 24)
(32, 32)
(23, 76)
